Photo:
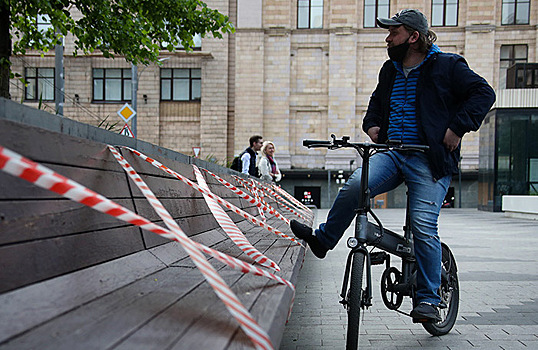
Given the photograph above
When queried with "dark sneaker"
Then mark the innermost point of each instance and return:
(425, 312)
(305, 233)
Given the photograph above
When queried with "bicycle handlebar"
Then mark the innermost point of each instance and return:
(316, 143)
(344, 142)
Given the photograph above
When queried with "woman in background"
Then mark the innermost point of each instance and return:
(267, 166)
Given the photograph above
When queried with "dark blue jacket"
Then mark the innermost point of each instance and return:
(449, 95)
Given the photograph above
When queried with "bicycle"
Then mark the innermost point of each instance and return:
(395, 284)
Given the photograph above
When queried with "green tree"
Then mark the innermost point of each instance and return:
(133, 29)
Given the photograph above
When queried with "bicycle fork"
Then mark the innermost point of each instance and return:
(366, 300)
(358, 251)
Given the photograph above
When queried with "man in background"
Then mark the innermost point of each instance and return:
(248, 156)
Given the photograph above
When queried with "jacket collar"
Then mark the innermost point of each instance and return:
(433, 50)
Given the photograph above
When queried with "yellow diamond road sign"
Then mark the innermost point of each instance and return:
(126, 112)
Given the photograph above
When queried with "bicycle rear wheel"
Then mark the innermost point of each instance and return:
(450, 296)
(354, 301)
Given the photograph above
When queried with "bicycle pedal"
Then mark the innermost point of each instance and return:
(378, 258)
(423, 320)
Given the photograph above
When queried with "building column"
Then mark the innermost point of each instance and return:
(342, 93)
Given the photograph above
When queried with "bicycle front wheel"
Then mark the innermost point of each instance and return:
(354, 301)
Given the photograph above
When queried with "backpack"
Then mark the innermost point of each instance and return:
(237, 164)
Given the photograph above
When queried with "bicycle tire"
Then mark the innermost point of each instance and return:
(450, 294)
(354, 301)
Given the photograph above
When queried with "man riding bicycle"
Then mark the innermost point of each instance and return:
(425, 97)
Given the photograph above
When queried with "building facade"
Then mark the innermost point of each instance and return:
(293, 70)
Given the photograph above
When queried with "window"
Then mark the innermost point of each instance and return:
(444, 13)
(197, 39)
(111, 85)
(522, 76)
(181, 84)
(40, 84)
(309, 14)
(43, 23)
(511, 54)
(515, 12)
(374, 9)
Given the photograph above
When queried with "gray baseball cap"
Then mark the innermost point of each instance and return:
(410, 17)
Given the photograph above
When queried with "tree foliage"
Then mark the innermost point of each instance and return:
(134, 29)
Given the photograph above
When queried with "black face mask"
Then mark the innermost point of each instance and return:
(397, 53)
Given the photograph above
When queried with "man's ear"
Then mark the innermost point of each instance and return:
(414, 37)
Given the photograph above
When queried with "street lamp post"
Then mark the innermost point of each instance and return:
(134, 90)
(59, 81)
(459, 183)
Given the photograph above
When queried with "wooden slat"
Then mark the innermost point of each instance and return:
(110, 184)
(143, 167)
(27, 220)
(46, 146)
(75, 329)
(26, 263)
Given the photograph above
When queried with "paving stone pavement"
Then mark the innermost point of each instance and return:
(497, 258)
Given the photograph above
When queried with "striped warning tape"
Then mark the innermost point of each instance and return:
(41, 176)
(305, 211)
(284, 204)
(273, 189)
(292, 199)
(259, 196)
(230, 261)
(221, 201)
(231, 228)
(265, 206)
(251, 328)
(287, 207)
(267, 193)
(249, 186)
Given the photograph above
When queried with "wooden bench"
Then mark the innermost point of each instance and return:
(72, 277)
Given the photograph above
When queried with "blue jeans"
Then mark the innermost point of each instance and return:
(426, 195)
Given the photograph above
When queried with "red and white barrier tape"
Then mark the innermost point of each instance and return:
(288, 198)
(258, 336)
(214, 196)
(259, 192)
(44, 177)
(293, 211)
(228, 260)
(259, 196)
(249, 186)
(252, 200)
(292, 199)
(231, 228)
